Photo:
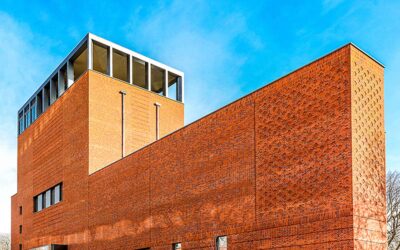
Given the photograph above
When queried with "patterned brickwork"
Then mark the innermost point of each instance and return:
(368, 138)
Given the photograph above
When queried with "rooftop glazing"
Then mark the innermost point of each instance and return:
(96, 53)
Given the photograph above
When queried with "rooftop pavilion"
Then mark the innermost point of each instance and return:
(96, 53)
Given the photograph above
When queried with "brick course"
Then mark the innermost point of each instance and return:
(296, 164)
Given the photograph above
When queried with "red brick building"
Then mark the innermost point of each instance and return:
(108, 164)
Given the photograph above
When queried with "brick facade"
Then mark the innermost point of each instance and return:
(299, 163)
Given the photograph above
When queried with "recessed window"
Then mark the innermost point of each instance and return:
(46, 96)
(33, 110)
(21, 122)
(80, 61)
(39, 103)
(157, 80)
(48, 198)
(20, 229)
(176, 246)
(63, 79)
(38, 202)
(27, 117)
(57, 194)
(173, 86)
(222, 243)
(20, 210)
(139, 73)
(120, 65)
(100, 58)
(20, 246)
(54, 88)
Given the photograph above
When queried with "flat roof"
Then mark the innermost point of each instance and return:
(90, 36)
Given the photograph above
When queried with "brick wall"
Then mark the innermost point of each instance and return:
(288, 166)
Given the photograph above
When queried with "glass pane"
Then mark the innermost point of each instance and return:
(33, 111)
(120, 66)
(177, 246)
(172, 85)
(39, 103)
(80, 62)
(139, 71)
(21, 122)
(39, 202)
(157, 80)
(48, 198)
(100, 58)
(57, 194)
(222, 243)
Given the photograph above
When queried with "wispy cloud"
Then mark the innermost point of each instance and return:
(198, 47)
(20, 67)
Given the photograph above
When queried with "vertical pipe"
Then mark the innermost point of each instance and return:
(123, 93)
(157, 120)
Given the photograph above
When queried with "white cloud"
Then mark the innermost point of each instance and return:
(196, 45)
(23, 63)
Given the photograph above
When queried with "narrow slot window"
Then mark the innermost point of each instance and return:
(53, 89)
(46, 96)
(80, 61)
(57, 194)
(39, 203)
(20, 210)
(27, 117)
(139, 73)
(20, 229)
(120, 65)
(63, 79)
(101, 58)
(21, 122)
(222, 243)
(33, 110)
(48, 198)
(39, 104)
(157, 80)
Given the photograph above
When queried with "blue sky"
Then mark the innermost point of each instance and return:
(226, 49)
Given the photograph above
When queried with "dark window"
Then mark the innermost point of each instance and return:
(39, 103)
(33, 110)
(20, 229)
(222, 243)
(54, 88)
(20, 210)
(120, 65)
(20, 246)
(46, 96)
(176, 246)
(27, 116)
(100, 58)
(79, 62)
(173, 86)
(139, 73)
(63, 78)
(21, 123)
(157, 80)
